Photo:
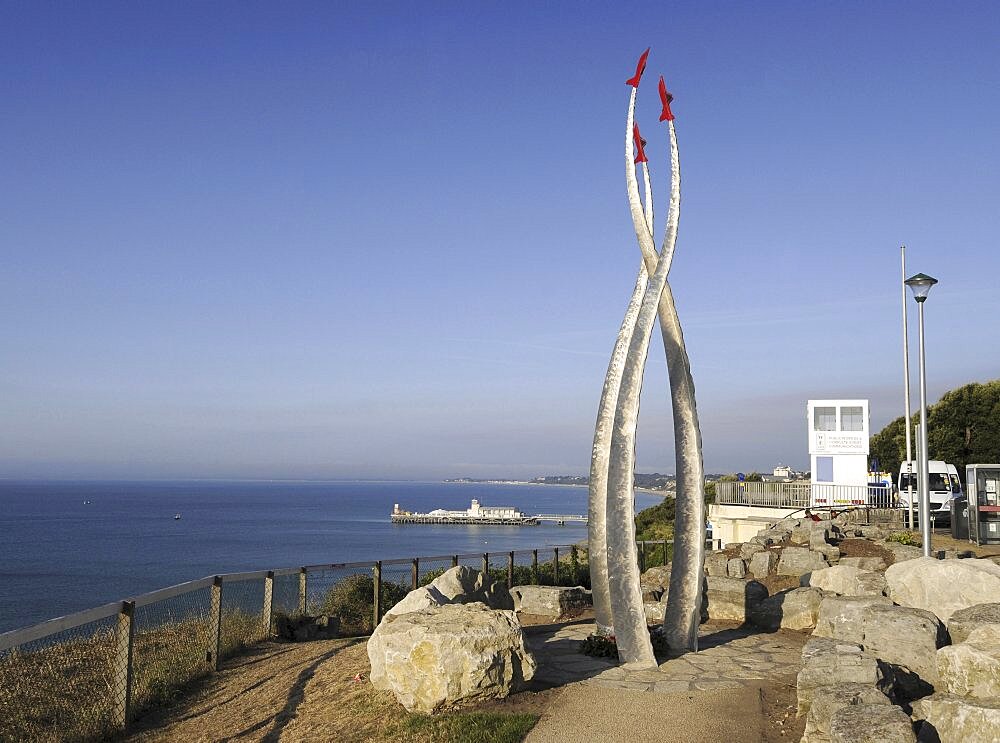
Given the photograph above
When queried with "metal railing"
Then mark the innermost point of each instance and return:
(89, 674)
(800, 494)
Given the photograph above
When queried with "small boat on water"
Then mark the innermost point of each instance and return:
(177, 517)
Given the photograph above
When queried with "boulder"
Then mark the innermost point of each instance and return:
(750, 549)
(828, 699)
(823, 645)
(907, 641)
(717, 564)
(736, 568)
(864, 563)
(963, 621)
(943, 586)
(437, 657)
(953, 719)
(800, 535)
(799, 561)
(554, 602)
(732, 599)
(972, 668)
(871, 723)
(902, 552)
(842, 617)
(458, 585)
(797, 608)
(655, 579)
(846, 581)
(843, 663)
(763, 563)
(654, 611)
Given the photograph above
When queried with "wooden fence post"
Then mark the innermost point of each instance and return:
(555, 566)
(124, 642)
(574, 565)
(267, 613)
(302, 590)
(486, 563)
(534, 567)
(454, 561)
(215, 624)
(377, 598)
(642, 556)
(665, 560)
(414, 572)
(510, 570)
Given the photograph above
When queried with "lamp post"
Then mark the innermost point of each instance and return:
(921, 285)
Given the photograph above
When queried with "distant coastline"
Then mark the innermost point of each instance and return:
(668, 487)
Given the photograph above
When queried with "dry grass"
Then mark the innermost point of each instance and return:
(307, 691)
(66, 691)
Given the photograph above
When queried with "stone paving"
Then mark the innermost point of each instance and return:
(729, 657)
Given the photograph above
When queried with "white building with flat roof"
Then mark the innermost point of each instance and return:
(838, 450)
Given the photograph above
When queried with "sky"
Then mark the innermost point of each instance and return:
(391, 240)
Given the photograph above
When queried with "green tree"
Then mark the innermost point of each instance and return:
(963, 427)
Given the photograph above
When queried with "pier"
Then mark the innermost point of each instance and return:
(483, 516)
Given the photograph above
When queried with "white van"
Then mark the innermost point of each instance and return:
(944, 486)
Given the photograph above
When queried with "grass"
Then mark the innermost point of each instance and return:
(65, 691)
(460, 727)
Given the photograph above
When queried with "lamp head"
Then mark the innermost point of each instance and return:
(920, 285)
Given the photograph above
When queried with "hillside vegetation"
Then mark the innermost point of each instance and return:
(963, 427)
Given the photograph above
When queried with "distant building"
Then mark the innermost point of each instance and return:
(783, 472)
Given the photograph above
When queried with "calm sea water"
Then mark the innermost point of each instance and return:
(68, 546)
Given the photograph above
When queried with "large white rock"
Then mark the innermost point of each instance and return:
(828, 699)
(825, 662)
(907, 640)
(458, 585)
(554, 602)
(964, 621)
(794, 609)
(763, 563)
(842, 617)
(972, 668)
(732, 599)
(871, 723)
(943, 586)
(655, 579)
(865, 563)
(952, 719)
(846, 581)
(437, 657)
(799, 561)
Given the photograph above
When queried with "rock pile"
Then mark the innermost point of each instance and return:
(892, 632)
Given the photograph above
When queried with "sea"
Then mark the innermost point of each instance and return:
(70, 546)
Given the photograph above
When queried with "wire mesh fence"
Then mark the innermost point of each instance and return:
(85, 676)
(285, 593)
(63, 684)
(170, 645)
(242, 621)
(347, 592)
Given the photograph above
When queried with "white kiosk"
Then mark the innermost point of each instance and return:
(838, 452)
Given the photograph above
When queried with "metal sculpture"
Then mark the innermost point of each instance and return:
(614, 568)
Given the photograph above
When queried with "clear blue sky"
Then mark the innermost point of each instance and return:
(379, 239)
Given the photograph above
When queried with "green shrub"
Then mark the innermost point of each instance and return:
(904, 537)
(352, 600)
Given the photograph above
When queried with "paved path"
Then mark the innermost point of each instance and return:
(730, 657)
(713, 695)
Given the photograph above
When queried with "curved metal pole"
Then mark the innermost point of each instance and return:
(683, 610)
(597, 501)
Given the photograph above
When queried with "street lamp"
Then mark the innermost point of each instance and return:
(921, 285)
